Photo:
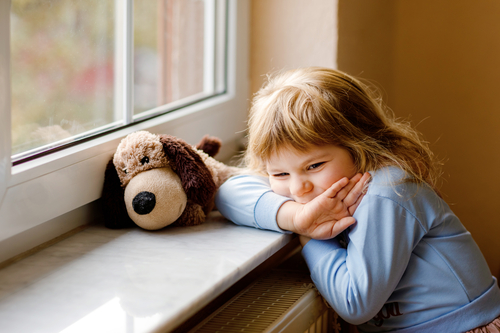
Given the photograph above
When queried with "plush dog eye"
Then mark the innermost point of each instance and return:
(145, 160)
(125, 170)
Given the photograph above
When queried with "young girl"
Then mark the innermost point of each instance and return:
(407, 264)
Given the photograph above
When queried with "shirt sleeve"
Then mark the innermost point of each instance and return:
(358, 281)
(249, 201)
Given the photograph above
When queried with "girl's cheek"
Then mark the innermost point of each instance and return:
(274, 187)
(279, 188)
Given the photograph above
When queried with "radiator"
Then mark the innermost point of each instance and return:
(282, 301)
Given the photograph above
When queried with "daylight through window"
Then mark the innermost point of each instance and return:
(84, 67)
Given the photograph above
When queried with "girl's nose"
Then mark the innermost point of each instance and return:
(299, 187)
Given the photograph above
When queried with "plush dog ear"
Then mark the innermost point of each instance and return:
(210, 145)
(196, 179)
(113, 200)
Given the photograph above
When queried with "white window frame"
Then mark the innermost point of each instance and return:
(54, 194)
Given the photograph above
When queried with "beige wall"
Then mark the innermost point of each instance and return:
(287, 34)
(438, 62)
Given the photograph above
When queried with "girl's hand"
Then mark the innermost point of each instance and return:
(328, 214)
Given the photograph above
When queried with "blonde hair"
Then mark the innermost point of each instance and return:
(319, 106)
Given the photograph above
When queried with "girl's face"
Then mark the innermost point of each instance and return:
(303, 175)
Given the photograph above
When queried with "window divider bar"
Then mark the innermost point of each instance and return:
(209, 47)
(221, 8)
(5, 98)
(128, 82)
(124, 61)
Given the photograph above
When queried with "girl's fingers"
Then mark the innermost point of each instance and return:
(332, 229)
(356, 192)
(341, 225)
(336, 187)
(353, 207)
(344, 192)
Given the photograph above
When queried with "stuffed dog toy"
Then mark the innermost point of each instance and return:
(158, 180)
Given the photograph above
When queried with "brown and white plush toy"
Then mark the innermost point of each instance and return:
(158, 180)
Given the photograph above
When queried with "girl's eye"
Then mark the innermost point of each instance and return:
(280, 174)
(315, 165)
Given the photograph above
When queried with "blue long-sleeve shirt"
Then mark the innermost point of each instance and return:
(409, 266)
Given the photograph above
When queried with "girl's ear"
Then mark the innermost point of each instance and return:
(113, 200)
(195, 177)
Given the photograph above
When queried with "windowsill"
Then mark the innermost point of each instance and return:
(131, 280)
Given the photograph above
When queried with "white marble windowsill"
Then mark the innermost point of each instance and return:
(103, 280)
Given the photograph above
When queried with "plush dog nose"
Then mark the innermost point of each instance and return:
(144, 203)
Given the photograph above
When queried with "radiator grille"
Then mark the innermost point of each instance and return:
(283, 301)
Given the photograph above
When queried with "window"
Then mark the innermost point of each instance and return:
(76, 76)
(80, 68)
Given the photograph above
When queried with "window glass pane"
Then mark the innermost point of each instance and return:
(62, 69)
(169, 50)
(70, 62)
